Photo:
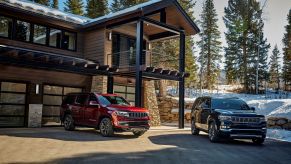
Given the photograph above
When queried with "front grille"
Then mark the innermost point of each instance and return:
(138, 123)
(138, 114)
(245, 119)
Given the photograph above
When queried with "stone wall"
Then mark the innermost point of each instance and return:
(150, 103)
(279, 123)
(169, 110)
(99, 84)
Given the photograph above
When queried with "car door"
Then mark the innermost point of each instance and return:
(91, 112)
(195, 111)
(205, 112)
(78, 109)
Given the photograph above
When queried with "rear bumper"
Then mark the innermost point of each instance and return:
(243, 133)
(131, 125)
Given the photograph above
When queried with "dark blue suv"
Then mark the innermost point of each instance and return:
(227, 118)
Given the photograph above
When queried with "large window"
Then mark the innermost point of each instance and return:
(35, 33)
(39, 34)
(55, 37)
(22, 31)
(5, 26)
(52, 99)
(69, 41)
(12, 104)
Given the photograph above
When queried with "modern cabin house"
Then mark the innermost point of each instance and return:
(46, 53)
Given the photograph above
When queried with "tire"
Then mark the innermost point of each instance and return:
(213, 132)
(194, 130)
(138, 133)
(106, 127)
(69, 123)
(258, 141)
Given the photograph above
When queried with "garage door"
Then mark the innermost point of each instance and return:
(52, 99)
(12, 104)
(126, 91)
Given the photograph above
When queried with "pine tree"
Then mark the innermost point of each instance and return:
(74, 7)
(287, 54)
(274, 68)
(209, 44)
(244, 38)
(55, 4)
(122, 4)
(115, 6)
(96, 8)
(43, 2)
(233, 52)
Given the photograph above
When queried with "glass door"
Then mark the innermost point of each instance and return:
(12, 104)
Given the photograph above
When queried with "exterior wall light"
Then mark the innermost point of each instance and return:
(37, 89)
(110, 36)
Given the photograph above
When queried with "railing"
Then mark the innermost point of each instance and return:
(125, 60)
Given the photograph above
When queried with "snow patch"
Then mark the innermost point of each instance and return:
(278, 134)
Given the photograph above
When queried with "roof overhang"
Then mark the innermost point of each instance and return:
(175, 16)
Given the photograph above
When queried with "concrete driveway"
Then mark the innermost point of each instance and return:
(159, 145)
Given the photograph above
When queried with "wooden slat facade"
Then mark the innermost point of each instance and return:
(94, 45)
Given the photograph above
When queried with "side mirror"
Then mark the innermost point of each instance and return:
(253, 108)
(94, 103)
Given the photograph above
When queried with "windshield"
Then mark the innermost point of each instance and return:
(108, 100)
(230, 104)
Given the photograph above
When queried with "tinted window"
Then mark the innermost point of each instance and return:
(55, 37)
(39, 34)
(22, 31)
(5, 26)
(195, 103)
(69, 41)
(69, 99)
(231, 104)
(92, 98)
(81, 99)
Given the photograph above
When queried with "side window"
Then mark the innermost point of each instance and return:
(92, 98)
(69, 99)
(197, 101)
(205, 103)
(81, 99)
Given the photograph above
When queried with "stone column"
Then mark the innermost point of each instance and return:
(151, 103)
(34, 115)
(99, 84)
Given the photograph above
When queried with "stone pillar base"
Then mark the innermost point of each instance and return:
(99, 84)
(34, 115)
(151, 103)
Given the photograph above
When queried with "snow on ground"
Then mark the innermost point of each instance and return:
(279, 134)
(270, 105)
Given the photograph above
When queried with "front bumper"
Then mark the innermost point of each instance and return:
(131, 125)
(243, 133)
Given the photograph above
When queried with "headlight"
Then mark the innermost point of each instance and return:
(262, 119)
(124, 114)
(224, 118)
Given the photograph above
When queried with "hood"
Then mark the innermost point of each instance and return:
(229, 111)
(126, 108)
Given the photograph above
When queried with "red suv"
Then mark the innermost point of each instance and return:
(107, 112)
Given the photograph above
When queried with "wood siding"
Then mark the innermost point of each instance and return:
(38, 76)
(94, 45)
